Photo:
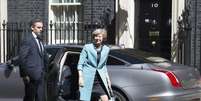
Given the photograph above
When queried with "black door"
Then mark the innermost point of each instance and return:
(155, 27)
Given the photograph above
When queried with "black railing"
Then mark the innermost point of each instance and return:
(11, 35)
(185, 42)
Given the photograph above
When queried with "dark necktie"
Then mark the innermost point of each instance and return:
(40, 45)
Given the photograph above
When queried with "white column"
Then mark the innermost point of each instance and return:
(177, 8)
(3, 10)
(3, 16)
(51, 17)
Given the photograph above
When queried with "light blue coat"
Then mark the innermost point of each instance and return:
(88, 65)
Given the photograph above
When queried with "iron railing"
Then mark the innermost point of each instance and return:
(11, 35)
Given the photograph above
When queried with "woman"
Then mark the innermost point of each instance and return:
(93, 75)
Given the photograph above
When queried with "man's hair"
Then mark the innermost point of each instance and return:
(35, 21)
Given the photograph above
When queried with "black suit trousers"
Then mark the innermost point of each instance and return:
(34, 90)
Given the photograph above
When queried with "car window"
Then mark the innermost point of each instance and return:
(51, 52)
(114, 61)
(72, 59)
(128, 58)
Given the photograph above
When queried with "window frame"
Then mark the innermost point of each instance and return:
(61, 17)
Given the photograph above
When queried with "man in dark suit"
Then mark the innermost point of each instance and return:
(33, 62)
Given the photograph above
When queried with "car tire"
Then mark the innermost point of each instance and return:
(119, 96)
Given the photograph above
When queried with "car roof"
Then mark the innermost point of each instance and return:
(135, 52)
(128, 54)
(78, 46)
(64, 45)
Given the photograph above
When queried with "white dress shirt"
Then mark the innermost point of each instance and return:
(40, 45)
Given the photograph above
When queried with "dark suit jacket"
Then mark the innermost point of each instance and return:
(32, 62)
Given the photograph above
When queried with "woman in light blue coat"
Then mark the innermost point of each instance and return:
(93, 75)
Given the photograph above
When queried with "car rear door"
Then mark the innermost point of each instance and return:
(52, 76)
(59, 76)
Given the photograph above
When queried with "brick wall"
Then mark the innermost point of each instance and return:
(26, 10)
(195, 19)
(94, 10)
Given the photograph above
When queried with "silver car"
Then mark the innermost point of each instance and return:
(135, 76)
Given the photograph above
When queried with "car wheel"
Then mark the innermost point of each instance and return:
(118, 96)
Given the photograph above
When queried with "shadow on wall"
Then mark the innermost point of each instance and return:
(108, 21)
(123, 25)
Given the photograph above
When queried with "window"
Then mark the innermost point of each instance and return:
(65, 17)
(72, 59)
(114, 61)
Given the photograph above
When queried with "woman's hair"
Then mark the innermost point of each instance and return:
(100, 31)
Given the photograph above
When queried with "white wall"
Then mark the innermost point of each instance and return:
(3, 10)
(177, 8)
(125, 23)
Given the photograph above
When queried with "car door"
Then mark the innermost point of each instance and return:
(60, 77)
(10, 87)
(52, 76)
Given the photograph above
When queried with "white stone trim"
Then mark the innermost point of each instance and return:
(3, 17)
(177, 8)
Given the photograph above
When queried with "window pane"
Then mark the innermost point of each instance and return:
(68, 1)
(56, 1)
(66, 25)
(72, 60)
(66, 17)
(77, 1)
